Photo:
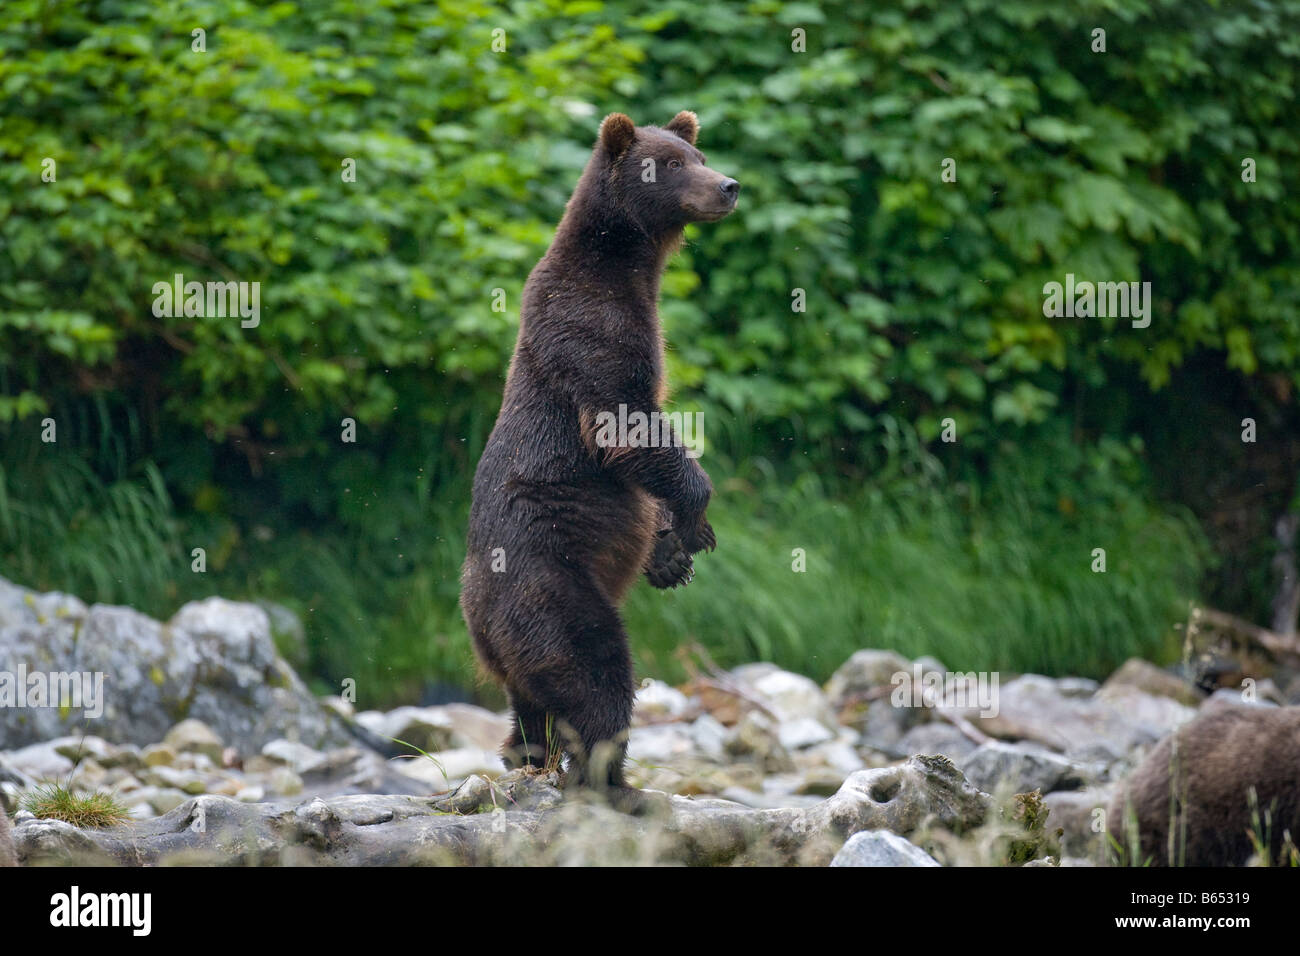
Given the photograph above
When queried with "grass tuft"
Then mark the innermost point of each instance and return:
(57, 802)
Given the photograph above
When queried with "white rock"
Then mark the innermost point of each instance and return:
(803, 732)
(165, 801)
(790, 696)
(837, 755)
(661, 744)
(43, 761)
(1234, 698)
(656, 700)
(194, 736)
(78, 748)
(473, 726)
(233, 629)
(297, 757)
(1115, 720)
(20, 607)
(710, 737)
(340, 706)
(169, 777)
(453, 766)
(283, 782)
(441, 727)
(1076, 686)
(881, 848)
(194, 761)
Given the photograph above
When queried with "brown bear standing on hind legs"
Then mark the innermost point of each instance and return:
(563, 521)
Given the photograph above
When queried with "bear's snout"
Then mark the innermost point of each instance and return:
(709, 195)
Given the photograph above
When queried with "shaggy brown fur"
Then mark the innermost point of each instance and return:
(1199, 777)
(577, 522)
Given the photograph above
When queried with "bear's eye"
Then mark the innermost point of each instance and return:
(674, 164)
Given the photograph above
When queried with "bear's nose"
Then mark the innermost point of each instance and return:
(730, 188)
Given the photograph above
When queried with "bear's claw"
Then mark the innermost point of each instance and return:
(700, 538)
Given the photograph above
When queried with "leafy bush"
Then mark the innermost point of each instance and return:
(927, 295)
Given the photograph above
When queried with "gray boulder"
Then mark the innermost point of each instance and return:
(439, 727)
(1146, 676)
(1023, 767)
(214, 661)
(1110, 724)
(866, 670)
(936, 737)
(1081, 815)
(883, 726)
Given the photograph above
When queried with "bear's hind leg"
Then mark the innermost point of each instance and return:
(584, 678)
(533, 741)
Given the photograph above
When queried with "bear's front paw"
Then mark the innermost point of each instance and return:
(700, 537)
(669, 566)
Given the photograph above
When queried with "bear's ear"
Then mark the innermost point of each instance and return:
(616, 134)
(686, 125)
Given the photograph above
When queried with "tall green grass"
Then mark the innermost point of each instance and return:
(63, 528)
(991, 584)
(985, 573)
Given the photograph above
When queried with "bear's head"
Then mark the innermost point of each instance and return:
(658, 176)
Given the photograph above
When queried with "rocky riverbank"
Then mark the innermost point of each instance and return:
(220, 754)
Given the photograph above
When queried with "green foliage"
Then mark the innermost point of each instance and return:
(927, 295)
(921, 294)
(227, 165)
